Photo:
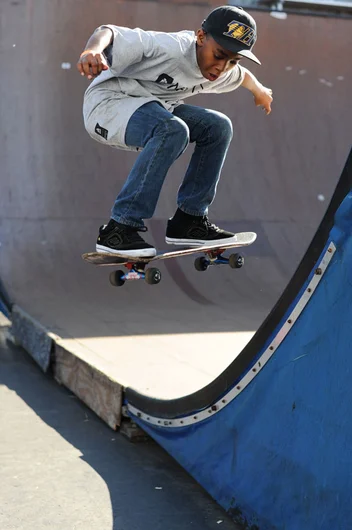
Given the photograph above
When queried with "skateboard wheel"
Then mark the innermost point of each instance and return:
(236, 261)
(152, 276)
(116, 278)
(201, 264)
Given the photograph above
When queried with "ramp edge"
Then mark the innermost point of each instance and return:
(101, 394)
(32, 336)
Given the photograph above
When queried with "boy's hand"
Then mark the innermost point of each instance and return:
(91, 63)
(263, 98)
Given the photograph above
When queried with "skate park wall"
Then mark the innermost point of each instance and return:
(279, 176)
(57, 187)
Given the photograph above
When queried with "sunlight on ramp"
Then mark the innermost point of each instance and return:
(163, 366)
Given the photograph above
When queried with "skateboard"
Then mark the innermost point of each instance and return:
(137, 266)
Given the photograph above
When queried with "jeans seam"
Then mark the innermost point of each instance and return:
(198, 170)
(149, 168)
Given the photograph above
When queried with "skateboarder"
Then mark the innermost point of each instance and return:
(135, 102)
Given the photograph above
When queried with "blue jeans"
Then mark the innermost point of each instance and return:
(164, 137)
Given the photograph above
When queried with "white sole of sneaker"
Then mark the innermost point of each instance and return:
(136, 253)
(200, 242)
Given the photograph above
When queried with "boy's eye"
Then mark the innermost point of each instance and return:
(219, 58)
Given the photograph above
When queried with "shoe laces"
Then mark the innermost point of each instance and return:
(131, 233)
(208, 224)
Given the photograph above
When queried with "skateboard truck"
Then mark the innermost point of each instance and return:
(152, 275)
(214, 257)
(135, 271)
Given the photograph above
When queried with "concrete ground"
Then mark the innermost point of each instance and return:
(62, 468)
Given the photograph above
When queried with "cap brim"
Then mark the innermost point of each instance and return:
(249, 55)
(235, 47)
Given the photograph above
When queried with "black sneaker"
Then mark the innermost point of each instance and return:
(190, 230)
(117, 238)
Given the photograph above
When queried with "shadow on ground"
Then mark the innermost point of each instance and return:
(80, 457)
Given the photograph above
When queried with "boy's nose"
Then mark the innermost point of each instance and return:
(221, 67)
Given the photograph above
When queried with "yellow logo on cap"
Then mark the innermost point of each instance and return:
(241, 32)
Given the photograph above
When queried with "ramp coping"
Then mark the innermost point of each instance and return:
(261, 362)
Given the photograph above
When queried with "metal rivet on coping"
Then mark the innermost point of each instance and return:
(271, 348)
(238, 387)
(223, 400)
(254, 369)
(139, 414)
(330, 250)
(289, 321)
(309, 290)
(214, 407)
(318, 271)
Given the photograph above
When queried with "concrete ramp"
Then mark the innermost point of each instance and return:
(183, 345)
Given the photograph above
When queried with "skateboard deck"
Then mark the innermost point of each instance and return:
(137, 265)
(106, 259)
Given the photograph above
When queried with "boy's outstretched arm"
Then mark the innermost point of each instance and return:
(262, 95)
(92, 61)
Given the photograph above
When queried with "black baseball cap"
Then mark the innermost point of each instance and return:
(234, 29)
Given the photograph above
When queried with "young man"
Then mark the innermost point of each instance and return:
(135, 102)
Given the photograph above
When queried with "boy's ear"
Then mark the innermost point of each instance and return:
(201, 37)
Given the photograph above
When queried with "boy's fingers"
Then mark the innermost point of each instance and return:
(79, 68)
(94, 66)
(103, 63)
(86, 68)
(91, 65)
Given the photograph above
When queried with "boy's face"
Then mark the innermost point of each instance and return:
(213, 59)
